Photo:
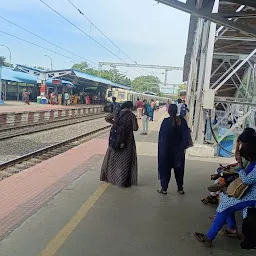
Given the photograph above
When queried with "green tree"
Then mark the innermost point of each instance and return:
(3, 62)
(80, 66)
(146, 83)
(182, 87)
(113, 74)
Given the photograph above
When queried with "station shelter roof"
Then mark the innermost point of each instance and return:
(12, 75)
(98, 79)
(228, 48)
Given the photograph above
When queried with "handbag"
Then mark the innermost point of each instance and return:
(237, 188)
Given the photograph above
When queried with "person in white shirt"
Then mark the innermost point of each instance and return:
(179, 104)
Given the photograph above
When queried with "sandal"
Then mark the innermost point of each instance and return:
(201, 238)
(210, 200)
(161, 191)
(227, 233)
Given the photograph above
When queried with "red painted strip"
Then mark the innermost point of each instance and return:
(31, 117)
(51, 114)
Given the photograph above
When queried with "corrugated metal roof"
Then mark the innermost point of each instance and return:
(98, 79)
(15, 76)
(9, 74)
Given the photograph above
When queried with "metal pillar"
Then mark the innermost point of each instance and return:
(207, 73)
(192, 81)
(1, 100)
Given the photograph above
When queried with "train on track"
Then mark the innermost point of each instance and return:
(122, 96)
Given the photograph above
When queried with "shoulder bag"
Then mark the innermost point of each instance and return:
(237, 188)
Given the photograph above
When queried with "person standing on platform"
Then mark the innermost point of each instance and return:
(172, 143)
(139, 106)
(120, 163)
(26, 97)
(66, 98)
(157, 105)
(184, 109)
(145, 117)
(167, 105)
(114, 105)
(179, 104)
(153, 107)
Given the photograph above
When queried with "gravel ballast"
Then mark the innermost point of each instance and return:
(18, 146)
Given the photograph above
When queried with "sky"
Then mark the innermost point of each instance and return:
(147, 32)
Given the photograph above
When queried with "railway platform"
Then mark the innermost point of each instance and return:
(14, 114)
(59, 207)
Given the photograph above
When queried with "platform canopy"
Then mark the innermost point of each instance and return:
(73, 76)
(13, 75)
(234, 42)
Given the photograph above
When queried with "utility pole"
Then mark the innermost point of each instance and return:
(165, 77)
(50, 60)
(10, 53)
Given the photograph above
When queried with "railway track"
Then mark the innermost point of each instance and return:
(19, 164)
(23, 130)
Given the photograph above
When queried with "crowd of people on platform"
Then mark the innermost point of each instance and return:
(234, 187)
(66, 98)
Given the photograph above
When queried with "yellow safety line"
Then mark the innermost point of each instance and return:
(53, 246)
(67, 230)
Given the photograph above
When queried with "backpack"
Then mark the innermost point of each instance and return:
(118, 133)
(147, 110)
(183, 110)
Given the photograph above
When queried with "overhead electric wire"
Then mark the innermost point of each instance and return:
(24, 40)
(97, 42)
(34, 34)
(101, 32)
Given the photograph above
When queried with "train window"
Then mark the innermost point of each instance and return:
(121, 95)
(110, 93)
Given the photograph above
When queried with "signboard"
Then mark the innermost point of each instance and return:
(56, 81)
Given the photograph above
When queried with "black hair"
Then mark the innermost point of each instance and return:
(173, 110)
(138, 98)
(247, 135)
(114, 98)
(249, 138)
(144, 100)
(179, 101)
(127, 104)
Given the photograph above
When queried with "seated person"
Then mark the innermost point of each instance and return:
(224, 175)
(229, 205)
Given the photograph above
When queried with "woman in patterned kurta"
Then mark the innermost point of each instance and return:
(120, 167)
(229, 205)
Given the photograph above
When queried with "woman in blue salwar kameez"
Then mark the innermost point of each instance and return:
(172, 142)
